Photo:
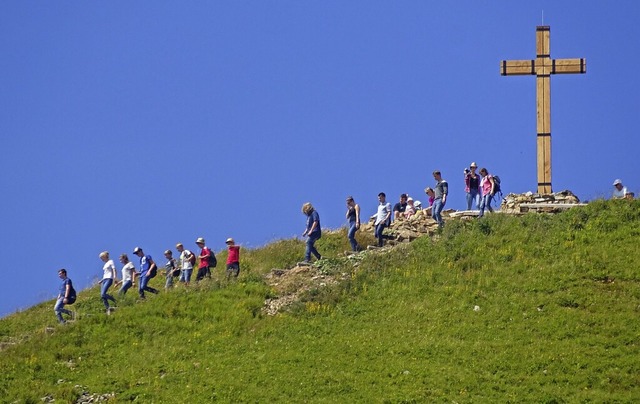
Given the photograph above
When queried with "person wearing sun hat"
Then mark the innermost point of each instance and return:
(620, 190)
(233, 258)
(205, 256)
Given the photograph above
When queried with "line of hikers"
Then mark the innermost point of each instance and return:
(480, 188)
(181, 268)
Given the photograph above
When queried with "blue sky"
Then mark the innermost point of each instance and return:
(146, 123)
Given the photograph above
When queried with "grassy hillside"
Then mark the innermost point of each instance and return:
(522, 309)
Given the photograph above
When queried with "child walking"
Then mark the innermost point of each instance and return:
(233, 259)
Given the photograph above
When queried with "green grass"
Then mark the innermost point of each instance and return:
(558, 299)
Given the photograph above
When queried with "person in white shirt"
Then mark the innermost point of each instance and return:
(620, 190)
(128, 274)
(382, 217)
(187, 259)
(109, 276)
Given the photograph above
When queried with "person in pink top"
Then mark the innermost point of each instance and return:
(233, 259)
(431, 195)
(487, 185)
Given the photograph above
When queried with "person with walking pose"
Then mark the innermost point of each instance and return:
(128, 274)
(233, 258)
(441, 191)
(187, 260)
(382, 217)
(353, 216)
(206, 259)
(146, 272)
(108, 277)
(312, 232)
(488, 190)
(65, 296)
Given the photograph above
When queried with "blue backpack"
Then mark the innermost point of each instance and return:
(496, 185)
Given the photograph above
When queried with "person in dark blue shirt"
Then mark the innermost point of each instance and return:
(145, 274)
(312, 232)
(64, 296)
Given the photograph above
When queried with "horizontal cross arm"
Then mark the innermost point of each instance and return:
(566, 66)
(517, 67)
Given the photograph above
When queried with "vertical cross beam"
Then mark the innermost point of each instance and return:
(543, 67)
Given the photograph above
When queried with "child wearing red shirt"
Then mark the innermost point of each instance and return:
(233, 259)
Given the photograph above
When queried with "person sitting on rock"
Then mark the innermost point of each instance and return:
(432, 196)
(400, 207)
(410, 210)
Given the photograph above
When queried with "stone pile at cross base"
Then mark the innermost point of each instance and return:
(290, 284)
(540, 203)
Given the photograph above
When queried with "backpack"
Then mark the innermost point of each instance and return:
(153, 270)
(213, 262)
(192, 259)
(496, 185)
(72, 295)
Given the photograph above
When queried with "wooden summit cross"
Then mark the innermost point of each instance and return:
(543, 67)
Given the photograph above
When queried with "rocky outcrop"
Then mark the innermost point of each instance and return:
(405, 230)
(540, 203)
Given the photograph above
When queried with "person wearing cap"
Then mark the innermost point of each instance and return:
(233, 258)
(312, 232)
(472, 185)
(399, 208)
(205, 257)
(441, 191)
(109, 275)
(187, 259)
(146, 262)
(353, 216)
(410, 210)
(128, 274)
(64, 296)
(171, 269)
(620, 191)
